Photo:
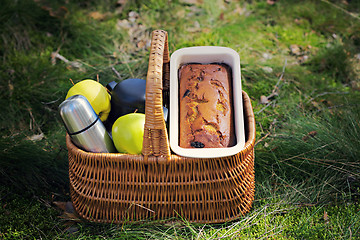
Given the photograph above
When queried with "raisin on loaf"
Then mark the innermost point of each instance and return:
(206, 116)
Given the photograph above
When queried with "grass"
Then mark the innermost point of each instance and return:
(323, 152)
(307, 150)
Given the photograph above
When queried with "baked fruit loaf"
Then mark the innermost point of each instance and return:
(206, 115)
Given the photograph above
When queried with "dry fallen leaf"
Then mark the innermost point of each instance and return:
(295, 49)
(138, 33)
(65, 206)
(98, 15)
(120, 4)
(133, 16)
(36, 137)
(309, 135)
(61, 12)
(271, 2)
(264, 100)
(239, 10)
(355, 85)
(267, 56)
(205, 30)
(267, 69)
(124, 23)
(221, 17)
(68, 211)
(196, 27)
(357, 56)
(141, 44)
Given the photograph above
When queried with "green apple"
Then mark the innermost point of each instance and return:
(127, 133)
(95, 93)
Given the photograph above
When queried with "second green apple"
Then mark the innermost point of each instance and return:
(127, 133)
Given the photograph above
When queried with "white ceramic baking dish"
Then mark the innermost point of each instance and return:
(206, 54)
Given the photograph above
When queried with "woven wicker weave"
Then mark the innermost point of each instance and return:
(115, 187)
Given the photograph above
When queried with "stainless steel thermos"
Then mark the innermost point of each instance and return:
(84, 126)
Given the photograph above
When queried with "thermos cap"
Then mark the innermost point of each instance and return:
(77, 114)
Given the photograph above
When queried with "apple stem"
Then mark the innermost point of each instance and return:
(136, 110)
(72, 81)
(97, 77)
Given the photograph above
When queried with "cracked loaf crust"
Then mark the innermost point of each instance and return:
(206, 115)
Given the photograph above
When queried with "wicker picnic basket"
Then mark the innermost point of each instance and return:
(115, 187)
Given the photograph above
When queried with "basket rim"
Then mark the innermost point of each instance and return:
(249, 120)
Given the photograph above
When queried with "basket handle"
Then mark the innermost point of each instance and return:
(156, 141)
